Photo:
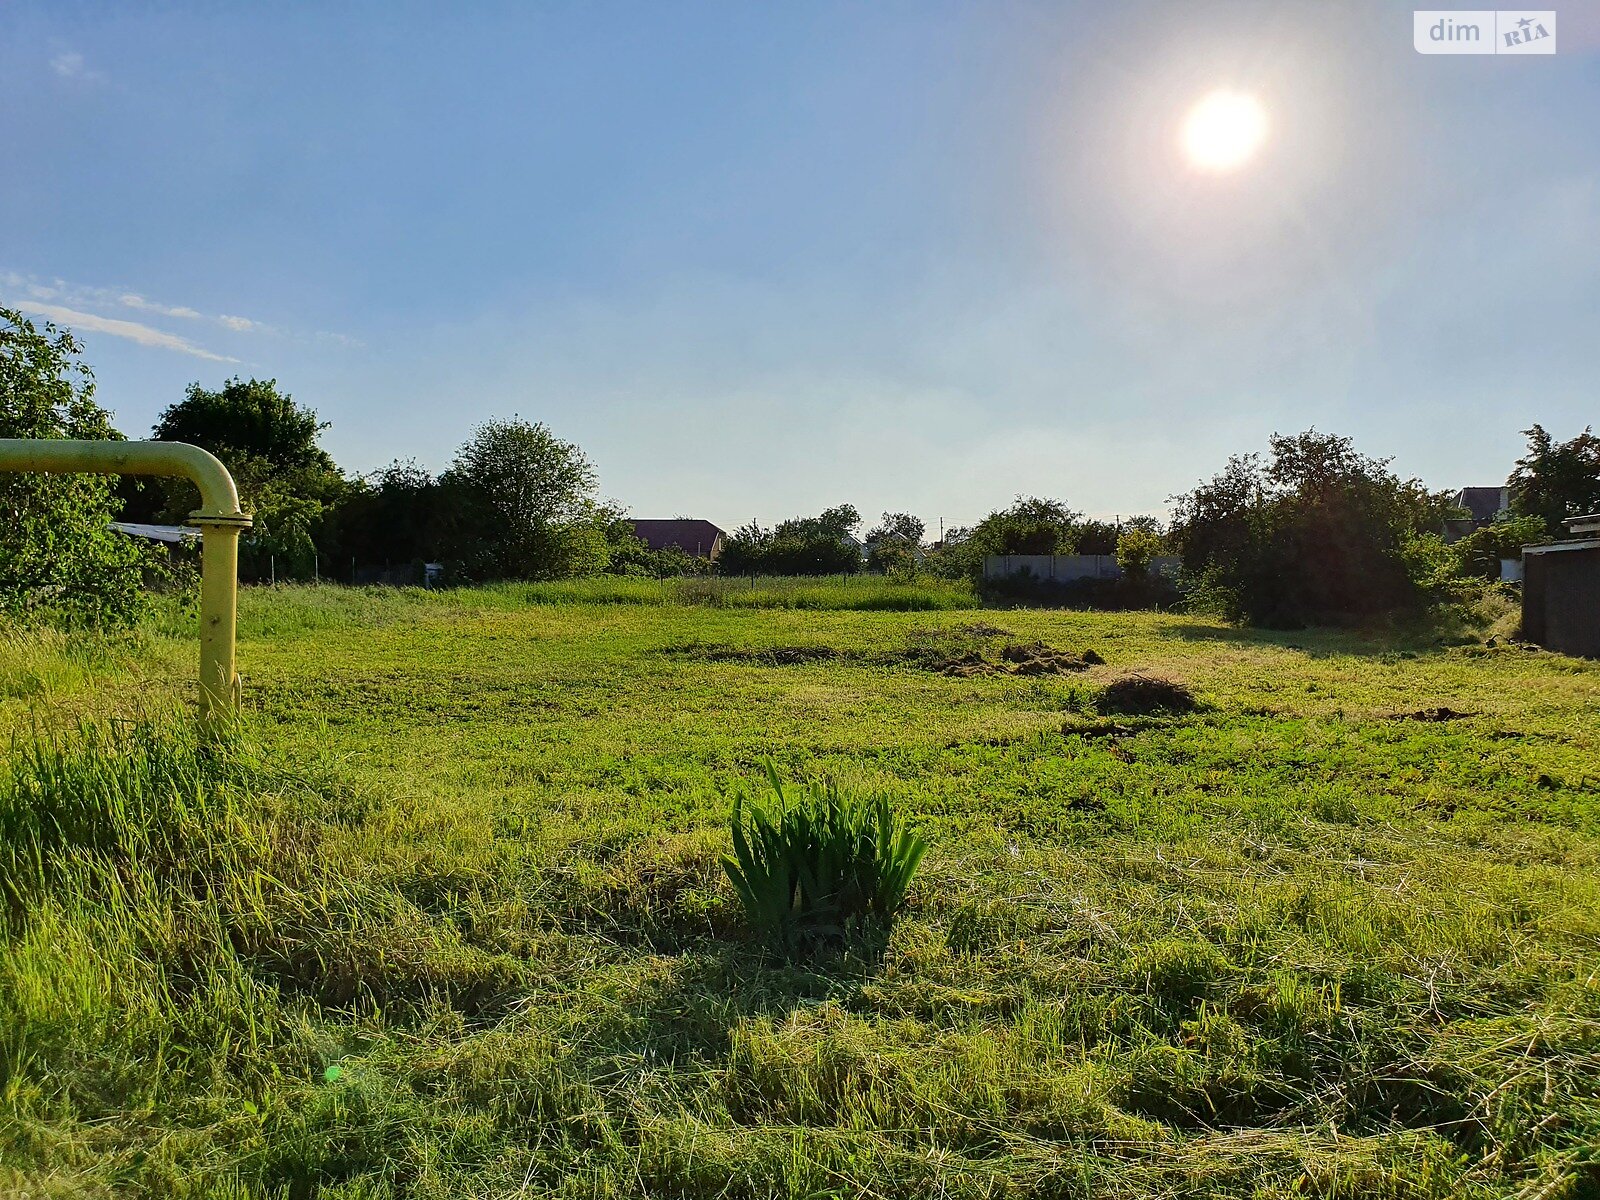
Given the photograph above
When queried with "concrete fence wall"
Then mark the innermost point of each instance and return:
(1066, 568)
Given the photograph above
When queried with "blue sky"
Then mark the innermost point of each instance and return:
(760, 259)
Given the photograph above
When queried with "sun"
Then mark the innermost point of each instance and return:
(1224, 131)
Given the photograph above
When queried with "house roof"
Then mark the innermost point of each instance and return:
(1482, 502)
(1587, 544)
(688, 534)
(172, 534)
(1589, 523)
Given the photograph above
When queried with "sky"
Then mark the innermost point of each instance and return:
(762, 259)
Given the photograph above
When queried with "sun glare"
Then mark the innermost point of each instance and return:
(1223, 131)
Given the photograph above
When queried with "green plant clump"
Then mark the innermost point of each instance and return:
(828, 864)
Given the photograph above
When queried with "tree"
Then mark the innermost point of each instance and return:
(1137, 548)
(1320, 533)
(1095, 537)
(394, 515)
(58, 554)
(892, 547)
(520, 504)
(820, 545)
(898, 526)
(247, 420)
(1556, 480)
(268, 442)
(1030, 526)
(746, 551)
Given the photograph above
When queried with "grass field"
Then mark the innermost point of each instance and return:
(448, 919)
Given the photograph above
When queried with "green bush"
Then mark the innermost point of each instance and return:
(822, 866)
(1480, 552)
(1317, 534)
(59, 557)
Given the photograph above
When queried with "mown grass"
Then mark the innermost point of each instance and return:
(446, 917)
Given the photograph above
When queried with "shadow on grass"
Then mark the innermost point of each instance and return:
(1321, 641)
(689, 1006)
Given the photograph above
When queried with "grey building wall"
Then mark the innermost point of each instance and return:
(1561, 597)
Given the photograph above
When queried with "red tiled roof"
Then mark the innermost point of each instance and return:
(699, 538)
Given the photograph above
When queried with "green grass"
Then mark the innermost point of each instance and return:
(447, 918)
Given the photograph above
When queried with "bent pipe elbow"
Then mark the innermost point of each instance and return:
(218, 496)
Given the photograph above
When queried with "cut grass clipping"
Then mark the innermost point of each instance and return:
(826, 864)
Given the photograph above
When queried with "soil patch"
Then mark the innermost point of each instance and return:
(967, 650)
(1138, 694)
(772, 656)
(1440, 713)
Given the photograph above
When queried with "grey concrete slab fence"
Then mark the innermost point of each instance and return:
(1067, 568)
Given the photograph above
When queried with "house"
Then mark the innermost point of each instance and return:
(1561, 591)
(1483, 503)
(702, 539)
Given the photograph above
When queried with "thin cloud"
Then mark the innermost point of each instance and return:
(132, 300)
(69, 64)
(131, 330)
(81, 296)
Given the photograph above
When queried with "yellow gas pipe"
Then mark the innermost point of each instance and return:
(218, 517)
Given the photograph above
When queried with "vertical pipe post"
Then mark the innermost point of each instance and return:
(219, 615)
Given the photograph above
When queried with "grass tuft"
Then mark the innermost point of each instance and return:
(824, 865)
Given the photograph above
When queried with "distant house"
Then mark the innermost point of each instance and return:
(699, 538)
(1561, 591)
(1483, 503)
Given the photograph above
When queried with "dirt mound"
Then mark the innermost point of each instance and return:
(1441, 713)
(771, 656)
(967, 650)
(1139, 694)
(1037, 658)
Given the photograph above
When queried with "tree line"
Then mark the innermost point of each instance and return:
(1311, 532)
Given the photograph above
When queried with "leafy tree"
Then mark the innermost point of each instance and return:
(1095, 537)
(394, 515)
(268, 442)
(631, 555)
(900, 527)
(745, 551)
(1556, 480)
(893, 545)
(1030, 526)
(246, 420)
(520, 504)
(820, 545)
(1137, 548)
(1320, 533)
(58, 554)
